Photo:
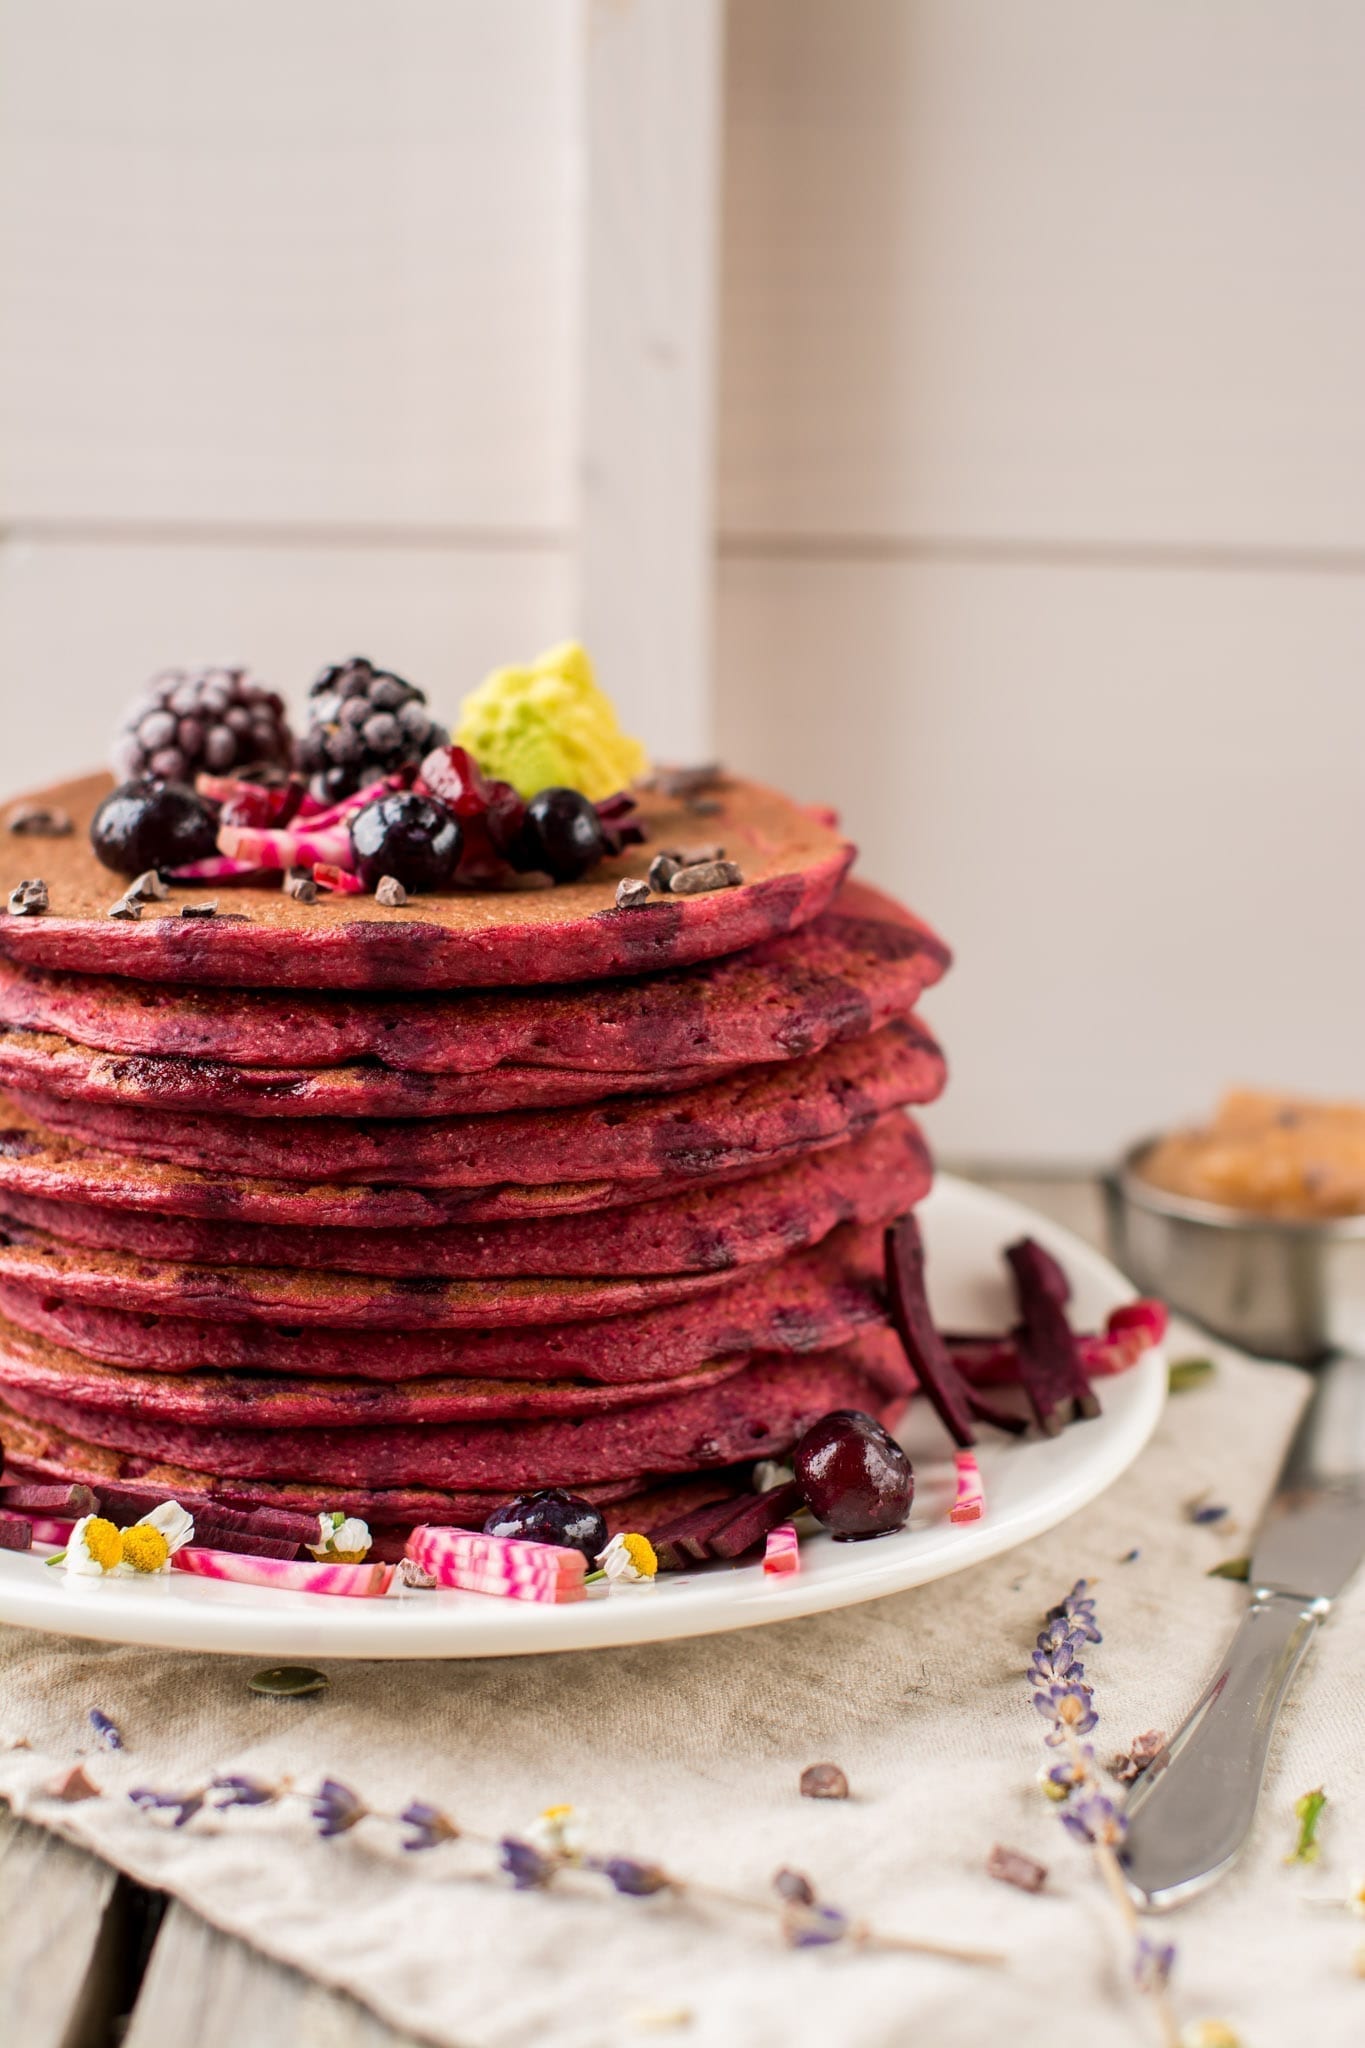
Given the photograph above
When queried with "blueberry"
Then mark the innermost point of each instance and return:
(551, 1516)
(562, 835)
(153, 825)
(411, 837)
(855, 1477)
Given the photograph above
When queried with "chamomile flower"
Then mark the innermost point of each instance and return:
(153, 1540)
(629, 1561)
(556, 1833)
(342, 1539)
(93, 1548)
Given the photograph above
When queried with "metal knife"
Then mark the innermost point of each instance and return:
(1192, 1808)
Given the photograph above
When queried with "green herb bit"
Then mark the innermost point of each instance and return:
(1230, 1568)
(1184, 1373)
(1307, 1812)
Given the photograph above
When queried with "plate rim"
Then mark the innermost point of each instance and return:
(232, 1620)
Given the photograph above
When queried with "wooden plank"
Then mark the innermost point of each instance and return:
(305, 264)
(1057, 273)
(206, 1989)
(57, 1948)
(651, 127)
(1134, 802)
(83, 626)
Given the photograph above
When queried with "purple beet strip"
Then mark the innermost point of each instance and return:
(74, 1500)
(15, 1533)
(134, 1501)
(1050, 1368)
(956, 1404)
(749, 1525)
(211, 1534)
(682, 1542)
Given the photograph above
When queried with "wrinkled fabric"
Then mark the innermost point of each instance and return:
(689, 1754)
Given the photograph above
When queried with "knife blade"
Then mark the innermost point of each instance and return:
(1192, 1808)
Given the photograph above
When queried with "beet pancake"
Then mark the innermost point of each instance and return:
(253, 1401)
(810, 1301)
(338, 1300)
(731, 1123)
(78, 1073)
(758, 1412)
(40, 1451)
(863, 963)
(709, 1229)
(793, 862)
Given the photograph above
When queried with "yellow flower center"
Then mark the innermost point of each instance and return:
(145, 1548)
(640, 1551)
(103, 1542)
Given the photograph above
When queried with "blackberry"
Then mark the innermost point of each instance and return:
(363, 723)
(216, 719)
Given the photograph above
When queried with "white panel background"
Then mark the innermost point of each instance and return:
(1040, 461)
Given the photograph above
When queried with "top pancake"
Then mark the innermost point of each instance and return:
(792, 862)
(865, 961)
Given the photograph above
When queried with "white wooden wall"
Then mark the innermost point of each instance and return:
(1042, 460)
(1039, 459)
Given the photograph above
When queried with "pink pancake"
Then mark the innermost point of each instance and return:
(810, 1301)
(758, 1412)
(713, 1228)
(731, 1125)
(30, 1366)
(78, 1073)
(853, 970)
(793, 863)
(43, 1452)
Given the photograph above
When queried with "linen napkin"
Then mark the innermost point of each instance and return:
(689, 1755)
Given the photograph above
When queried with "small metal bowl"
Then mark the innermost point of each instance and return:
(1281, 1289)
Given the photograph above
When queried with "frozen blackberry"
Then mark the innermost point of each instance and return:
(363, 723)
(215, 719)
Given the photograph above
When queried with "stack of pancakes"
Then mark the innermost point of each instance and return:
(403, 1211)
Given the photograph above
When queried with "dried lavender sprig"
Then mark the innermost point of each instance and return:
(1066, 1701)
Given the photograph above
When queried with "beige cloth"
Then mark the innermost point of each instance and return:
(690, 1754)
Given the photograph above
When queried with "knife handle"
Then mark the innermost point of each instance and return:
(1191, 1809)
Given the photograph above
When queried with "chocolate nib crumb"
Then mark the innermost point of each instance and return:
(662, 869)
(200, 909)
(631, 894)
(685, 782)
(703, 806)
(37, 821)
(299, 884)
(390, 892)
(127, 906)
(29, 899)
(823, 1781)
(794, 1886)
(705, 876)
(693, 856)
(148, 888)
(1011, 1866)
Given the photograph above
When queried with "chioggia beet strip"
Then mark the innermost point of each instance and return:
(216, 867)
(363, 1581)
(270, 846)
(970, 1504)
(502, 1565)
(782, 1550)
(328, 876)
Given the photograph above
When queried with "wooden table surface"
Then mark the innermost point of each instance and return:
(90, 1960)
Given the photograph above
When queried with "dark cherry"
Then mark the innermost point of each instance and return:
(551, 1516)
(562, 835)
(153, 825)
(854, 1476)
(411, 837)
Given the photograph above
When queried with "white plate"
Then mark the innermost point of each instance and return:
(1029, 1486)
